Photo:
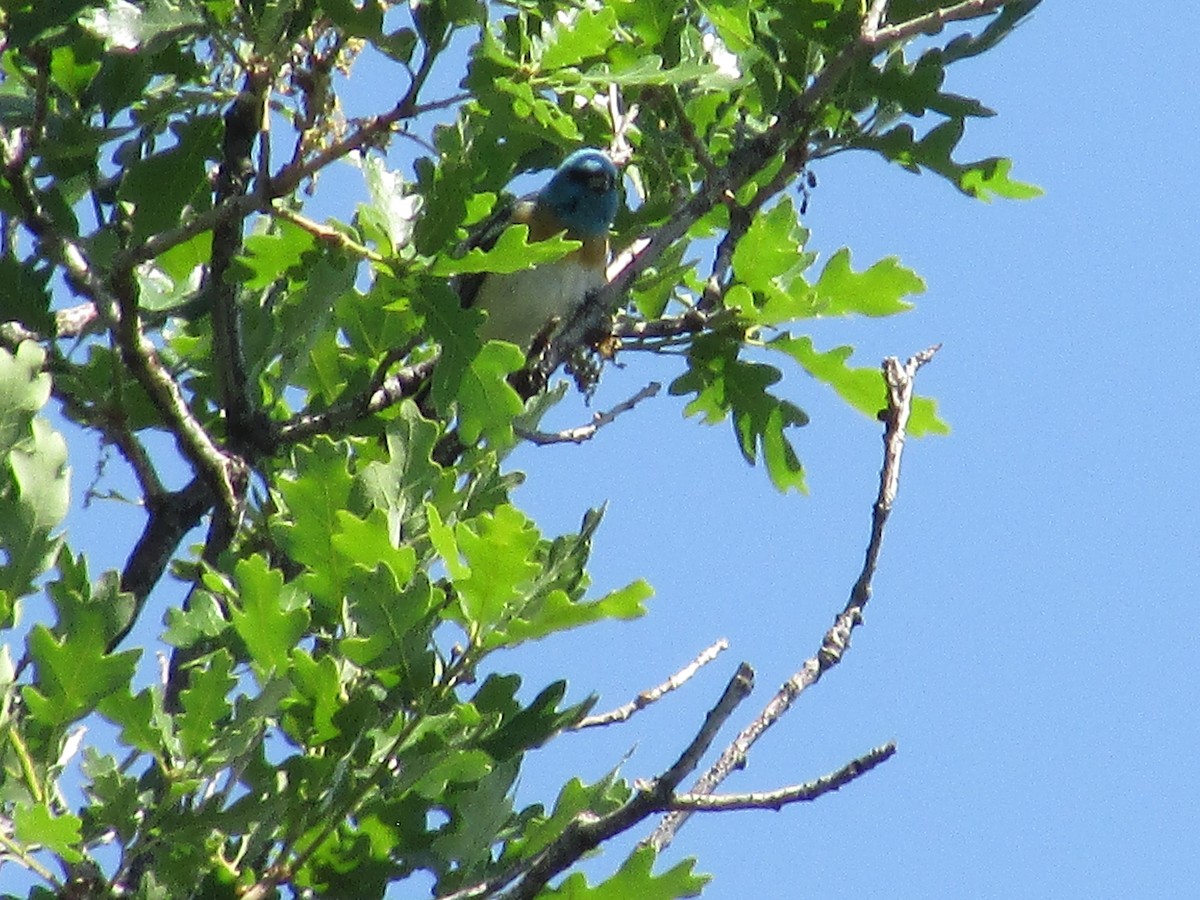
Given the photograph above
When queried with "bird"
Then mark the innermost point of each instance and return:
(580, 200)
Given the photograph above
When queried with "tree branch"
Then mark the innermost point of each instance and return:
(799, 793)
(930, 22)
(653, 695)
(243, 126)
(405, 383)
(586, 832)
(899, 379)
(117, 306)
(171, 516)
(582, 433)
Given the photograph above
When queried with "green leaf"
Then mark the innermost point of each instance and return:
(72, 67)
(361, 20)
(652, 70)
(499, 551)
(558, 612)
(990, 177)
(202, 619)
(24, 390)
(981, 179)
(34, 478)
(518, 729)
(478, 812)
(512, 252)
(575, 798)
(163, 186)
(473, 378)
(116, 803)
(26, 298)
(724, 384)
(303, 317)
(124, 26)
(139, 716)
(315, 491)
(530, 111)
(60, 834)
(578, 34)
(387, 627)
(73, 675)
(28, 20)
(268, 257)
(635, 879)
(771, 253)
(862, 388)
(486, 401)
(270, 616)
(100, 614)
(368, 543)
(318, 698)
(394, 208)
(399, 486)
(878, 291)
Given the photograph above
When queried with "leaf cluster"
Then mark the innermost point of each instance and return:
(341, 429)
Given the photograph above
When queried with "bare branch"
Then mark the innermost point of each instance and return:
(931, 22)
(899, 380)
(243, 128)
(799, 793)
(654, 694)
(738, 689)
(586, 831)
(582, 433)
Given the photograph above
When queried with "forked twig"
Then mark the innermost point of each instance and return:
(582, 433)
(899, 379)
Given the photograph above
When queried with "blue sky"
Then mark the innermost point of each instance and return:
(1032, 643)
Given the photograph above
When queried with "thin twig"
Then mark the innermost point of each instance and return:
(654, 694)
(115, 300)
(405, 383)
(582, 433)
(931, 22)
(620, 151)
(586, 832)
(799, 793)
(899, 378)
(327, 235)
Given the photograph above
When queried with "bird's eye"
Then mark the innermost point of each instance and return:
(600, 182)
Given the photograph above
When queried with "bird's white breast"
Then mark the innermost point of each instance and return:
(519, 304)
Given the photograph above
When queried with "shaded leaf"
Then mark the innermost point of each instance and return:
(724, 385)
(205, 702)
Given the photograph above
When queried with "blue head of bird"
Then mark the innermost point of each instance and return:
(583, 193)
